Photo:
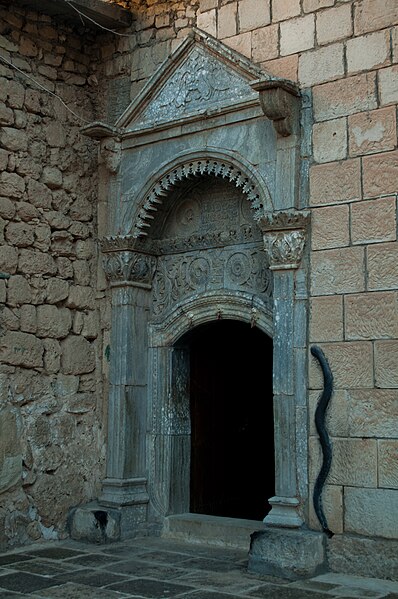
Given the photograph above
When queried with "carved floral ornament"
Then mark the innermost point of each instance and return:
(284, 235)
(130, 267)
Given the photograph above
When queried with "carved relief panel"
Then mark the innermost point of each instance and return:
(209, 241)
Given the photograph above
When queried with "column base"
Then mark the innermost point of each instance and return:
(118, 492)
(289, 554)
(284, 513)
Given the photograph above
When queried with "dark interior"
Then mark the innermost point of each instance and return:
(232, 442)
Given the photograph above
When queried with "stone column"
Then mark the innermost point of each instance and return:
(284, 240)
(130, 274)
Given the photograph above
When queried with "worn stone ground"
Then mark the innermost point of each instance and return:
(159, 569)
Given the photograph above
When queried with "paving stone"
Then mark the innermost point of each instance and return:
(92, 578)
(140, 568)
(25, 582)
(236, 582)
(43, 567)
(153, 589)
(165, 557)
(12, 559)
(208, 564)
(78, 591)
(95, 560)
(7, 595)
(285, 593)
(55, 553)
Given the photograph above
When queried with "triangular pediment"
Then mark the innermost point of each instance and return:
(201, 76)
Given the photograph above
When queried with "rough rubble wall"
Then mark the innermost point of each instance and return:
(51, 437)
(346, 53)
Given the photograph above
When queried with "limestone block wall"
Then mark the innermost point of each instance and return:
(51, 437)
(346, 53)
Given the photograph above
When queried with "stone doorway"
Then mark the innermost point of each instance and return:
(232, 472)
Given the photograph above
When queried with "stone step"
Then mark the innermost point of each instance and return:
(211, 530)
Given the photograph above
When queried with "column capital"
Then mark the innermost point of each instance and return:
(284, 234)
(124, 265)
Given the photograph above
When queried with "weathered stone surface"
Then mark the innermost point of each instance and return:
(388, 463)
(53, 322)
(337, 271)
(10, 450)
(367, 224)
(372, 132)
(372, 512)
(20, 234)
(383, 266)
(329, 140)
(11, 185)
(372, 413)
(253, 14)
(39, 194)
(332, 503)
(368, 52)
(27, 315)
(77, 355)
(19, 291)
(337, 415)
(287, 553)
(324, 64)
(354, 462)
(327, 235)
(335, 182)
(386, 364)
(52, 177)
(57, 290)
(334, 24)
(81, 272)
(388, 85)
(80, 297)
(344, 97)
(36, 262)
(265, 43)
(7, 208)
(285, 9)
(326, 318)
(8, 259)
(380, 173)
(52, 355)
(297, 35)
(9, 318)
(13, 139)
(353, 554)
(371, 315)
(371, 15)
(21, 349)
(351, 363)
(227, 25)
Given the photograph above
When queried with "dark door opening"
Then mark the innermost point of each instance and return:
(232, 440)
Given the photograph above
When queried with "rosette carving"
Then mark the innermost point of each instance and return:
(130, 267)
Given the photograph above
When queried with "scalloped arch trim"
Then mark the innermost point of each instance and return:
(196, 168)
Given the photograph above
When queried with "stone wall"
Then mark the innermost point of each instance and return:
(51, 437)
(52, 337)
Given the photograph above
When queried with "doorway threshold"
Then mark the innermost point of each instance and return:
(211, 530)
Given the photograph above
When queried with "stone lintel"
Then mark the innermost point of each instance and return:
(105, 14)
(279, 100)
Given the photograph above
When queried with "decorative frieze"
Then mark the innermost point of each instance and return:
(284, 235)
(130, 267)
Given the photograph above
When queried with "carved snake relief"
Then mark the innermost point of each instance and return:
(320, 415)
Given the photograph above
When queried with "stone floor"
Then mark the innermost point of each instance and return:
(156, 569)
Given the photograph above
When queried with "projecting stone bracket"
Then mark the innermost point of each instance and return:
(280, 102)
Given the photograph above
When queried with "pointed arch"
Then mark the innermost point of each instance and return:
(225, 165)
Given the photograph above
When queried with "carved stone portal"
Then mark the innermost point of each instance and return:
(203, 224)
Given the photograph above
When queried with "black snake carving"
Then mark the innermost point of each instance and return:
(320, 414)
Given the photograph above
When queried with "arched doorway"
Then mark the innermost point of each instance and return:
(232, 470)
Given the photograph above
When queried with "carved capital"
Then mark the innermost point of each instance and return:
(280, 103)
(128, 267)
(284, 235)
